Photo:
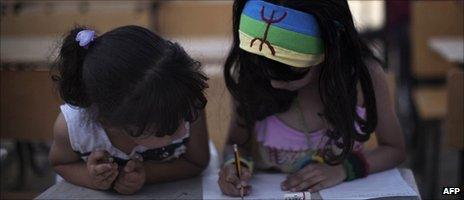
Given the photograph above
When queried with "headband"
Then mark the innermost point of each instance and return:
(282, 34)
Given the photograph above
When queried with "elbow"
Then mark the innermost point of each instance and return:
(198, 165)
(203, 164)
(402, 156)
(58, 169)
(55, 166)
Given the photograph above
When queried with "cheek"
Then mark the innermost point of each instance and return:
(278, 84)
(299, 84)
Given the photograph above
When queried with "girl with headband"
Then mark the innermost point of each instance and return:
(307, 93)
(133, 112)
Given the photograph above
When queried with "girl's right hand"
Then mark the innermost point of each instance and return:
(230, 183)
(102, 173)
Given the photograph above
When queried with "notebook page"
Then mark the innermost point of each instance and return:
(383, 184)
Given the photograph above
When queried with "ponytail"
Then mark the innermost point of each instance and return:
(68, 68)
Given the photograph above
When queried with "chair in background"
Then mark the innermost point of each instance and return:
(30, 33)
(454, 127)
(429, 71)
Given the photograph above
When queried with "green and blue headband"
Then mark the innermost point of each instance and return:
(282, 34)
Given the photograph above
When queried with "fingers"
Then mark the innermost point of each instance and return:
(133, 165)
(230, 175)
(112, 176)
(319, 186)
(291, 182)
(307, 173)
(110, 179)
(230, 184)
(231, 189)
(131, 178)
(96, 156)
(308, 184)
(99, 175)
(303, 172)
(130, 166)
(128, 183)
(105, 174)
(133, 175)
(95, 165)
(246, 174)
(123, 189)
(98, 170)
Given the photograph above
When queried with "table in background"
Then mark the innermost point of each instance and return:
(450, 48)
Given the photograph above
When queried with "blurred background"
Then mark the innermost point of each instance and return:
(420, 42)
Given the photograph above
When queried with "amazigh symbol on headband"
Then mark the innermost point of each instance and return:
(269, 21)
(292, 36)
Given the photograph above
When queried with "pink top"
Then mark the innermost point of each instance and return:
(282, 142)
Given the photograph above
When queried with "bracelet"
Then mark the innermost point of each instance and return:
(355, 166)
(247, 162)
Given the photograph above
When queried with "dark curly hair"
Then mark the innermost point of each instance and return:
(131, 78)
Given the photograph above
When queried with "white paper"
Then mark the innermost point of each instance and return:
(382, 184)
(265, 186)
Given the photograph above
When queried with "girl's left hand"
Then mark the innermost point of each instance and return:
(131, 178)
(314, 177)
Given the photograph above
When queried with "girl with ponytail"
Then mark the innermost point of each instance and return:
(307, 93)
(133, 110)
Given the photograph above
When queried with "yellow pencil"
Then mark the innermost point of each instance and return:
(238, 168)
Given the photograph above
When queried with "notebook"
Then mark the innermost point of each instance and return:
(267, 186)
(383, 184)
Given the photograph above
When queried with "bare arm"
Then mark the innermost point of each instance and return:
(229, 182)
(237, 135)
(192, 163)
(391, 149)
(72, 168)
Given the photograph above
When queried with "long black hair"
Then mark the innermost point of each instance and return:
(131, 78)
(248, 76)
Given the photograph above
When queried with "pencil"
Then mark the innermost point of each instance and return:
(238, 168)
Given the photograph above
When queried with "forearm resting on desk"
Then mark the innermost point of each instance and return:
(384, 157)
(75, 173)
(179, 169)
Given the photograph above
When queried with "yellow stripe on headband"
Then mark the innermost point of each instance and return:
(282, 55)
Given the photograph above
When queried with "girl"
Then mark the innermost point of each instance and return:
(134, 111)
(307, 93)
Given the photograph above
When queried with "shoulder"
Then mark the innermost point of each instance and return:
(377, 73)
(378, 79)
(60, 129)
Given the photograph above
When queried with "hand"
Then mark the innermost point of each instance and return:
(230, 183)
(102, 173)
(131, 178)
(314, 177)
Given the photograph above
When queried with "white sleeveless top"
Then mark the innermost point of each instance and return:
(86, 137)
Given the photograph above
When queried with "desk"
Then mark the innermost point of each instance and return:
(451, 48)
(185, 189)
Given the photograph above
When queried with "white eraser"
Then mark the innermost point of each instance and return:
(298, 196)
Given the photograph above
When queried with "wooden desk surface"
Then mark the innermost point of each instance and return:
(431, 102)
